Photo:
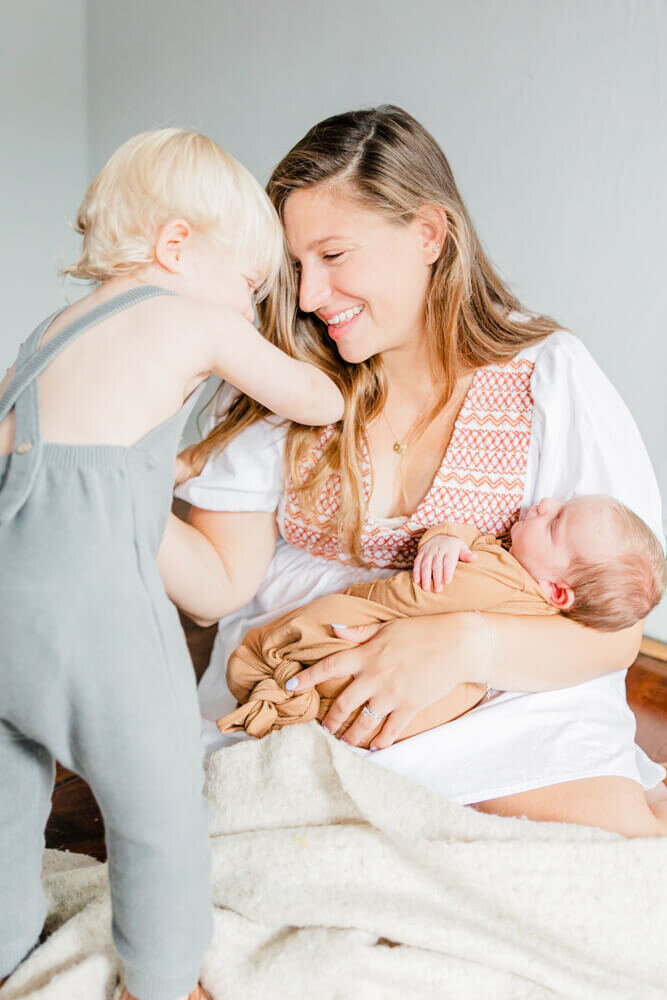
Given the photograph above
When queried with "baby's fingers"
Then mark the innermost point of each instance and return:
(416, 567)
(465, 555)
(425, 571)
(451, 560)
(438, 572)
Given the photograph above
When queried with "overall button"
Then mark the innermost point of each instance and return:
(24, 447)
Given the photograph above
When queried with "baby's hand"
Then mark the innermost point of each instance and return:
(437, 559)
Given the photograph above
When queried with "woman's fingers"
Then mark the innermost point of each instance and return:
(365, 724)
(356, 694)
(188, 465)
(395, 724)
(340, 664)
(357, 633)
(181, 473)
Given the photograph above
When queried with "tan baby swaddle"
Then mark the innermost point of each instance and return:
(272, 653)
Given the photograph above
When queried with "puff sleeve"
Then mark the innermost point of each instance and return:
(583, 437)
(248, 474)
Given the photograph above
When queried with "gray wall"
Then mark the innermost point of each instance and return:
(551, 113)
(44, 162)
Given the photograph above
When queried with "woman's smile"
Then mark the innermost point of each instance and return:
(339, 324)
(352, 260)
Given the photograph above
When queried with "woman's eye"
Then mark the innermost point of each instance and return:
(335, 256)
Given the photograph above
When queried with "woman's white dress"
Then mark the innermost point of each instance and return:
(582, 440)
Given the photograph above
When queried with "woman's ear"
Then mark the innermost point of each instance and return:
(171, 242)
(431, 229)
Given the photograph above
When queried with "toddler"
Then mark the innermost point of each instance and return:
(94, 670)
(590, 558)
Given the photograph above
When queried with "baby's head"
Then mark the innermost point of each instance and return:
(593, 558)
(171, 199)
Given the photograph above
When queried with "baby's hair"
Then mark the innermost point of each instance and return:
(615, 594)
(173, 173)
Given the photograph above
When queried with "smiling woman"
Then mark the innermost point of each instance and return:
(453, 412)
(350, 282)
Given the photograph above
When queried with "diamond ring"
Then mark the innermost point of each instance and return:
(367, 710)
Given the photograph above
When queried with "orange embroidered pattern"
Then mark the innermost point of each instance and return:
(480, 480)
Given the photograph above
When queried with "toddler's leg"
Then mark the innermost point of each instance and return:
(26, 782)
(138, 746)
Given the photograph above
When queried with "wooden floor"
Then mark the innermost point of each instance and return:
(76, 825)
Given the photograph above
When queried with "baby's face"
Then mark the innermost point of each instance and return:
(554, 532)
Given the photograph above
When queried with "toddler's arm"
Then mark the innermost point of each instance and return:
(238, 353)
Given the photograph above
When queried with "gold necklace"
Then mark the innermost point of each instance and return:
(400, 447)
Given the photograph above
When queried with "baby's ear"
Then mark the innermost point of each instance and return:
(558, 594)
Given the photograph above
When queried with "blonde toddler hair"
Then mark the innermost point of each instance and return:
(173, 173)
(621, 591)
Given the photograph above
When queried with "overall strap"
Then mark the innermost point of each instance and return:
(27, 348)
(37, 358)
(22, 393)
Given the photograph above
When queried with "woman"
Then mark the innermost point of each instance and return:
(459, 405)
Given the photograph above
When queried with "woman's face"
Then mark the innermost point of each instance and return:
(365, 277)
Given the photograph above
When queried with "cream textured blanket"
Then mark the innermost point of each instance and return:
(333, 878)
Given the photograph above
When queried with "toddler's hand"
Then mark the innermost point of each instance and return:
(436, 561)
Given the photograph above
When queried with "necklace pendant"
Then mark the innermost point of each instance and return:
(400, 447)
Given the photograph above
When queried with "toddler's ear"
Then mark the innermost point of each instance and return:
(171, 239)
(558, 594)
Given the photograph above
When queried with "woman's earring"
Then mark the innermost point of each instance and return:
(436, 250)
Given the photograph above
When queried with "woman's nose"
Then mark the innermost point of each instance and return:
(314, 289)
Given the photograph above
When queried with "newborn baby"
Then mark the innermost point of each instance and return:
(590, 558)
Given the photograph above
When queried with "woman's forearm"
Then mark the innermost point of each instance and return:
(540, 654)
(193, 573)
(214, 564)
(406, 665)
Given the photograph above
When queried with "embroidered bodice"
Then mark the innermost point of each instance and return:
(480, 480)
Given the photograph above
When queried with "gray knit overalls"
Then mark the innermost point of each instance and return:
(95, 673)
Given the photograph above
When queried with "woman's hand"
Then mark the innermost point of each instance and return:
(399, 668)
(188, 465)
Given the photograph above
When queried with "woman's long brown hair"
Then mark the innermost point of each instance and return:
(388, 162)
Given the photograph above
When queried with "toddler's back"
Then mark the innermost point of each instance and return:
(114, 382)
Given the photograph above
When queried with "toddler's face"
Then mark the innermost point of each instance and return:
(218, 274)
(554, 532)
